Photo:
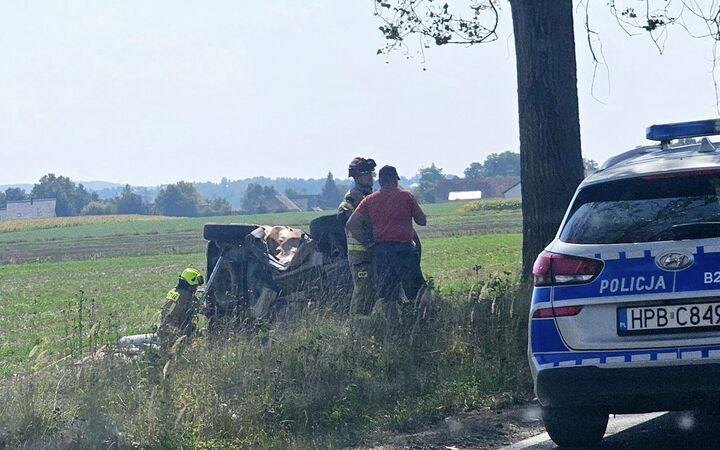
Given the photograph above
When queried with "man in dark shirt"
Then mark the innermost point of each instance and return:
(390, 213)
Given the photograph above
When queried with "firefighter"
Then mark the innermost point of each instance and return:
(178, 312)
(360, 257)
(390, 213)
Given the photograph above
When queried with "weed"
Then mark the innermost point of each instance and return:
(322, 381)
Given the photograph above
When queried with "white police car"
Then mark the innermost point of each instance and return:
(625, 313)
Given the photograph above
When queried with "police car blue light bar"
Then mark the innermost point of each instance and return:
(669, 131)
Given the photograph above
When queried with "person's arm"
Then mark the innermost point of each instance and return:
(166, 308)
(345, 209)
(418, 215)
(358, 225)
(343, 216)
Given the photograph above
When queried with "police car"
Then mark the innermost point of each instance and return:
(625, 313)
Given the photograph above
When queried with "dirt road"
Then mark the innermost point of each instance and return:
(520, 428)
(485, 429)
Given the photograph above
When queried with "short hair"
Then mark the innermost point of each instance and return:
(388, 172)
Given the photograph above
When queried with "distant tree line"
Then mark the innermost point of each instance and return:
(234, 191)
(71, 199)
(251, 195)
(505, 164)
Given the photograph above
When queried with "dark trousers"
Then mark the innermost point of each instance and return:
(398, 264)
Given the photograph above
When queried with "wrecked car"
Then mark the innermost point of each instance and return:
(273, 272)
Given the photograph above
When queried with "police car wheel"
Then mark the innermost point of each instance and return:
(575, 427)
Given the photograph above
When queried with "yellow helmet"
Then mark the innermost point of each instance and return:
(192, 277)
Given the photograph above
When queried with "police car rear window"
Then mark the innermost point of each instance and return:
(646, 209)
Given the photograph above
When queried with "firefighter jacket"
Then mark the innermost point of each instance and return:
(352, 199)
(179, 309)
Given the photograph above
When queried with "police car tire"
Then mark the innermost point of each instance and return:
(575, 427)
(231, 232)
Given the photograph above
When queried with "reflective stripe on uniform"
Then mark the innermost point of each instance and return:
(345, 205)
(351, 200)
(173, 295)
(353, 197)
(356, 247)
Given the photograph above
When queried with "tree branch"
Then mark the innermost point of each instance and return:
(435, 23)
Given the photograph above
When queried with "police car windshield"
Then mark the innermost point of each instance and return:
(645, 209)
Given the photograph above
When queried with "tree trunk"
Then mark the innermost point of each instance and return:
(550, 157)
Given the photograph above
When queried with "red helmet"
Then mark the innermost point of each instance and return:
(361, 165)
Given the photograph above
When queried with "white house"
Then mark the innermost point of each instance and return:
(29, 209)
(464, 195)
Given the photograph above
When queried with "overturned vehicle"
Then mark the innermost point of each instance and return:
(273, 272)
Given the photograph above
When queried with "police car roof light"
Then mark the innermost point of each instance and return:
(669, 131)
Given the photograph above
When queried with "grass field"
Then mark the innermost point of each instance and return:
(40, 300)
(110, 236)
(69, 285)
(122, 266)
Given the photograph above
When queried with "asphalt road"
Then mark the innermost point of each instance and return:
(655, 431)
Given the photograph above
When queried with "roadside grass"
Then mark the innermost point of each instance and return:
(319, 382)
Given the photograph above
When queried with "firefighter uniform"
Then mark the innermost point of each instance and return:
(178, 312)
(170, 301)
(360, 258)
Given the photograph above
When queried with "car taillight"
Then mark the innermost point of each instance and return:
(562, 311)
(551, 269)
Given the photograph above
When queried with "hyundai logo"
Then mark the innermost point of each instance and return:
(674, 261)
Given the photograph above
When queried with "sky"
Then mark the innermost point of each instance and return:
(149, 93)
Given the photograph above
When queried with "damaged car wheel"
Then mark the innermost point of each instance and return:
(261, 298)
(224, 294)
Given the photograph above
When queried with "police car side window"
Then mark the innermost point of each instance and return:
(645, 209)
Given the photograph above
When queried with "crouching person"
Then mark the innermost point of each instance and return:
(180, 308)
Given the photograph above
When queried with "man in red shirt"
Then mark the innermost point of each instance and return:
(390, 213)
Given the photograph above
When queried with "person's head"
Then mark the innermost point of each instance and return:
(190, 279)
(361, 170)
(388, 177)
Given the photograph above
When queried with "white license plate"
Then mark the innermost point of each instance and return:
(670, 318)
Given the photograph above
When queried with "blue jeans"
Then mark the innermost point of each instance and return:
(398, 265)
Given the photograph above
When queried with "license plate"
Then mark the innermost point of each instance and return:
(668, 319)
